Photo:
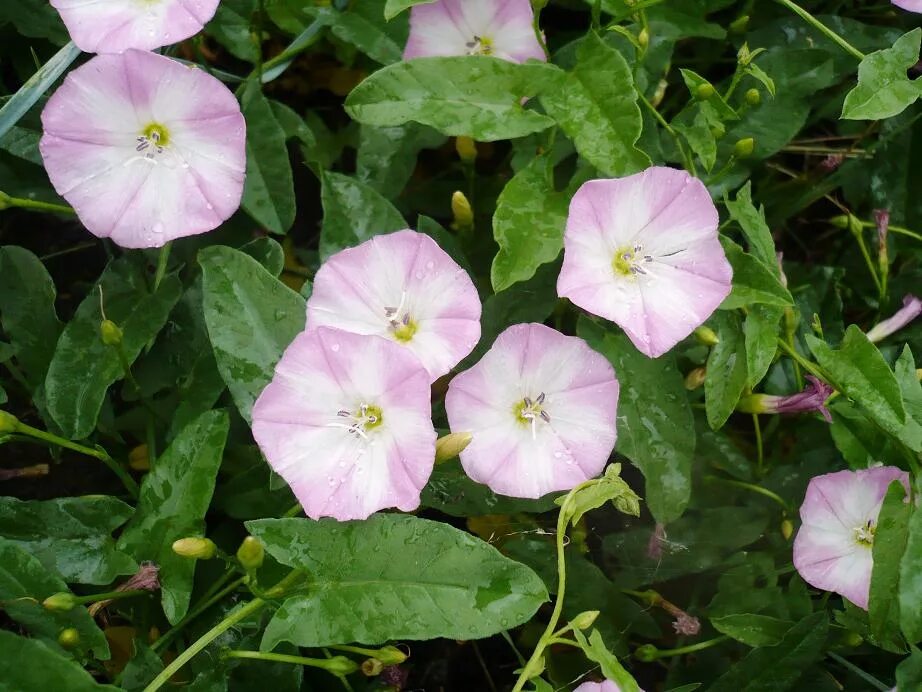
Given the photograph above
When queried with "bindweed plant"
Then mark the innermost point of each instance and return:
(464, 345)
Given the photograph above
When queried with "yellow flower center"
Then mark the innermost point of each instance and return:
(529, 411)
(156, 134)
(404, 331)
(628, 261)
(864, 535)
(480, 45)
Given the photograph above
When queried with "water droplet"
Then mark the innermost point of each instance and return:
(334, 348)
(430, 265)
(419, 275)
(158, 228)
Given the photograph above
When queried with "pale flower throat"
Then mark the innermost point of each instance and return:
(400, 325)
(480, 45)
(367, 417)
(864, 535)
(529, 411)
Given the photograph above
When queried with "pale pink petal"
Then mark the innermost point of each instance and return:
(301, 424)
(113, 26)
(606, 686)
(909, 5)
(145, 198)
(580, 398)
(912, 308)
(663, 223)
(396, 280)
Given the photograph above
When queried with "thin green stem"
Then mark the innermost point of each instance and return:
(687, 159)
(109, 596)
(822, 28)
(162, 261)
(335, 665)
(561, 640)
(208, 600)
(894, 229)
(867, 677)
(690, 649)
(34, 205)
(760, 452)
(812, 368)
(753, 488)
(859, 237)
(515, 649)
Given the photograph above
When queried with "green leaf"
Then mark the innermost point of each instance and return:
(884, 89)
(394, 7)
(353, 212)
(698, 125)
(752, 630)
(610, 488)
(911, 389)
(269, 191)
(752, 221)
(35, 19)
(695, 81)
(910, 580)
(477, 95)
(596, 105)
(24, 584)
(83, 367)
(596, 651)
(446, 583)
(753, 281)
(528, 224)
(70, 536)
(777, 668)
(727, 373)
(761, 329)
(27, 664)
(27, 313)
(174, 498)
(363, 26)
(890, 540)
(909, 671)
(251, 318)
(231, 27)
(858, 370)
(387, 155)
(655, 425)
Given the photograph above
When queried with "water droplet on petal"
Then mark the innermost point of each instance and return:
(158, 228)
(334, 347)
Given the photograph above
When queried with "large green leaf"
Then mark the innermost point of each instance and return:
(911, 389)
(753, 281)
(394, 7)
(752, 629)
(70, 536)
(596, 105)
(231, 27)
(476, 95)
(363, 25)
(727, 373)
(910, 580)
(884, 89)
(387, 155)
(858, 370)
(27, 665)
(174, 498)
(393, 577)
(761, 330)
(251, 318)
(353, 212)
(656, 430)
(752, 222)
(890, 540)
(83, 366)
(528, 224)
(24, 584)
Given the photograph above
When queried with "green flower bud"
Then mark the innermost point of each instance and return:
(461, 211)
(5, 201)
(753, 97)
(466, 148)
(372, 667)
(643, 38)
(340, 665)
(840, 221)
(852, 639)
(451, 445)
(8, 423)
(69, 638)
(584, 620)
(61, 601)
(646, 653)
(705, 91)
(707, 336)
(110, 333)
(390, 655)
(695, 379)
(251, 553)
(195, 548)
(739, 25)
(744, 148)
(787, 529)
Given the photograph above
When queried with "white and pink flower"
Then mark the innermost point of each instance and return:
(605, 686)
(832, 550)
(145, 149)
(404, 287)
(643, 252)
(909, 5)
(503, 28)
(541, 407)
(112, 26)
(912, 308)
(346, 421)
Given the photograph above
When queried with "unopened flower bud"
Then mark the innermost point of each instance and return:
(390, 655)
(646, 653)
(705, 91)
(840, 221)
(852, 639)
(466, 148)
(787, 529)
(695, 379)
(69, 638)
(451, 445)
(461, 211)
(139, 459)
(196, 548)
(251, 553)
(8, 423)
(372, 667)
(744, 148)
(707, 336)
(110, 333)
(739, 25)
(584, 620)
(744, 56)
(61, 601)
(753, 97)
(5, 201)
(340, 665)
(643, 38)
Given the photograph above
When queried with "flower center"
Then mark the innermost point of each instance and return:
(480, 45)
(629, 261)
(529, 411)
(401, 326)
(864, 535)
(152, 140)
(360, 422)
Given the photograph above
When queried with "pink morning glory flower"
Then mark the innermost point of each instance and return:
(813, 398)
(504, 28)
(541, 408)
(606, 686)
(112, 26)
(912, 308)
(346, 421)
(909, 5)
(642, 251)
(145, 149)
(404, 287)
(832, 550)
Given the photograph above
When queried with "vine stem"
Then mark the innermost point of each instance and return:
(212, 597)
(822, 28)
(35, 205)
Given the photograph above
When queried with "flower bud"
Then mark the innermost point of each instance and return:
(787, 529)
(646, 653)
(61, 601)
(372, 667)
(451, 445)
(584, 620)
(5, 201)
(840, 221)
(643, 38)
(461, 211)
(110, 333)
(739, 25)
(753, 97)
(196, 548)
(744, 56)
(466, 148)
(390, 655)
(69, 638)
(852, 639)
(139, 459)
(744, 148)
(251, 553)
(707, 336)
(705, 91)
(8, 423)
(695, 379)
(340, 665)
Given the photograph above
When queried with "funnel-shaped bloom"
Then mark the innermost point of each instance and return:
(606, 686)
(909, 5)
(144, 148)
(346, 421)
(504, 28)
(813, 398)
(404, 287)
(832, 550)
(112, 26)
(912, 308)
(541, 407)
(642, 251)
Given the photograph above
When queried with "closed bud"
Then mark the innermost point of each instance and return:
(251, 553)
(584, 620)
(390, 655)
(372, 667)
(466, 148)
(195, 548)
(840, 221)
(753, 97)
(139, 459)
(855, 225)
(646, 653)
(705, 91)
(461, 211)
(643, 38)
(707, 336)
(340, 665)
(69, 638)
(110, 333)
(61, 601)
(451, 445)
(744, 148)
(8, 423)
(695, 379)
(787, 529)
(740, 24)
(744, 56)
(852, 639)
(5, 201)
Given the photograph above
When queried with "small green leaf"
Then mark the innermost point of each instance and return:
(890, 540)
(700, 125)
(910, 580)
(909, 671)
(363, 26)
(596, 651)
(476, 95)
(761, 329)
(387, 155)
(394, 7)
(610, 488)
(446, 583)
(752, 221)
(727, 373)
(752, 630)
(753, 281)
(251, 318)
(231, 27)
(884, 89)
(528, 224)
(174, 498)
(353, 212)
(697, 85)
(27, 664)
(911, 389)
